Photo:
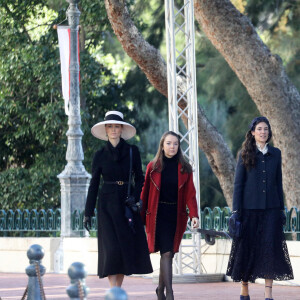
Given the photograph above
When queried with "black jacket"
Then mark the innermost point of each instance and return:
(114, 169)
(260, 187)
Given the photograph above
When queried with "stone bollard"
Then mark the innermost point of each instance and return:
(77, 273)
(35, 271)
(116, 293)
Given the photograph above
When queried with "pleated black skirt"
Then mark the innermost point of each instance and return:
(261, 251)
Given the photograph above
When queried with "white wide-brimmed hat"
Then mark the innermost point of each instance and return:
(113, 117)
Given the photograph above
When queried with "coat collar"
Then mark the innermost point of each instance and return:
(156, 177)
(124, 149)
(271, 150)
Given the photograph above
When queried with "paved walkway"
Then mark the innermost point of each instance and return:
(12, 286)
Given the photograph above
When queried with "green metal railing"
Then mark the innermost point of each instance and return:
(23, 221)
(218, 218)
(39, 222)
(47, 222)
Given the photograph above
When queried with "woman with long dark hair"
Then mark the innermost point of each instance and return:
(122, 244)
(168, 190)
(261, 250)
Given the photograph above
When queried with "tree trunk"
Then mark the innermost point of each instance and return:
(260, 71)
(154, 66)
(263, 75)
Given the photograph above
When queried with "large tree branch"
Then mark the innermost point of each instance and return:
(153, 65)
(263, 75)
(146, 56)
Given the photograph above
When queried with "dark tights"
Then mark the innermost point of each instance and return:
(165, 277)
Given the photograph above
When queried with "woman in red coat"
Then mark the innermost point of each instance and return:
(167, 192)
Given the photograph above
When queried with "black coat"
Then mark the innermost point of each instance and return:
(120, 251)
(261, 186)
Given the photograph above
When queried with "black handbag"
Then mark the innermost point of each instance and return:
(130, 200)
(235, 225)
(130, 205)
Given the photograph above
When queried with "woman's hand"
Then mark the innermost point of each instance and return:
(87, 223)
(195, 223)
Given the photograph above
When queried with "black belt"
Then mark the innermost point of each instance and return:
(119, 182)
(169, 203)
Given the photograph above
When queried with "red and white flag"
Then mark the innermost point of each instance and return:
(64, 41)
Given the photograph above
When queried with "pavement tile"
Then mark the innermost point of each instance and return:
(12, 287)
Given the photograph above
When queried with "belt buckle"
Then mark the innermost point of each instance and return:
(120, 182)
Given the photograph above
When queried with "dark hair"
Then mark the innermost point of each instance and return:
(158, 163)
(249, 145)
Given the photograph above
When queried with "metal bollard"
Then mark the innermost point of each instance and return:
(116, 293)
(77, 273)
(35, 271)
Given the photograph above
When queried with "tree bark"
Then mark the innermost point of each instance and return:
(258, 69)
(153, 65)
(263, 75)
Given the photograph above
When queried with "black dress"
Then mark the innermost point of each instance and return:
(167, 206)
(261, 252)
(120, 250)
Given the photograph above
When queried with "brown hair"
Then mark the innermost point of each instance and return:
(158, 163)
(248, 151)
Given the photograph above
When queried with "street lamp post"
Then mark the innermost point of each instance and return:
(74, 179)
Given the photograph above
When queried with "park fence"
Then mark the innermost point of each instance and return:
(48, 222)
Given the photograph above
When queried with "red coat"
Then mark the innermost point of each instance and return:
(150, 196)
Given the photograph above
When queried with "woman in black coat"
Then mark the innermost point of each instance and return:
(122, 245)
(261, 251)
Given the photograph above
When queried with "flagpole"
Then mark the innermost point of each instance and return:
(74, 179)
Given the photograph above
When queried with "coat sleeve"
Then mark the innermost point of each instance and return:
(94, 186)
(138, 173)
(239, 184)
(279, 182)
(145, 193)
(191, 197)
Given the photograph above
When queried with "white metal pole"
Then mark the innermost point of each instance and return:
(181, 68)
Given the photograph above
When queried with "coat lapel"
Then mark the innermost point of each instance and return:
(156, 179)
(182, 177)
(125, 150)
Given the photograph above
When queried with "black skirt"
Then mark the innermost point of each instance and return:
(166, 222)
(120, 250)
(261, 251)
